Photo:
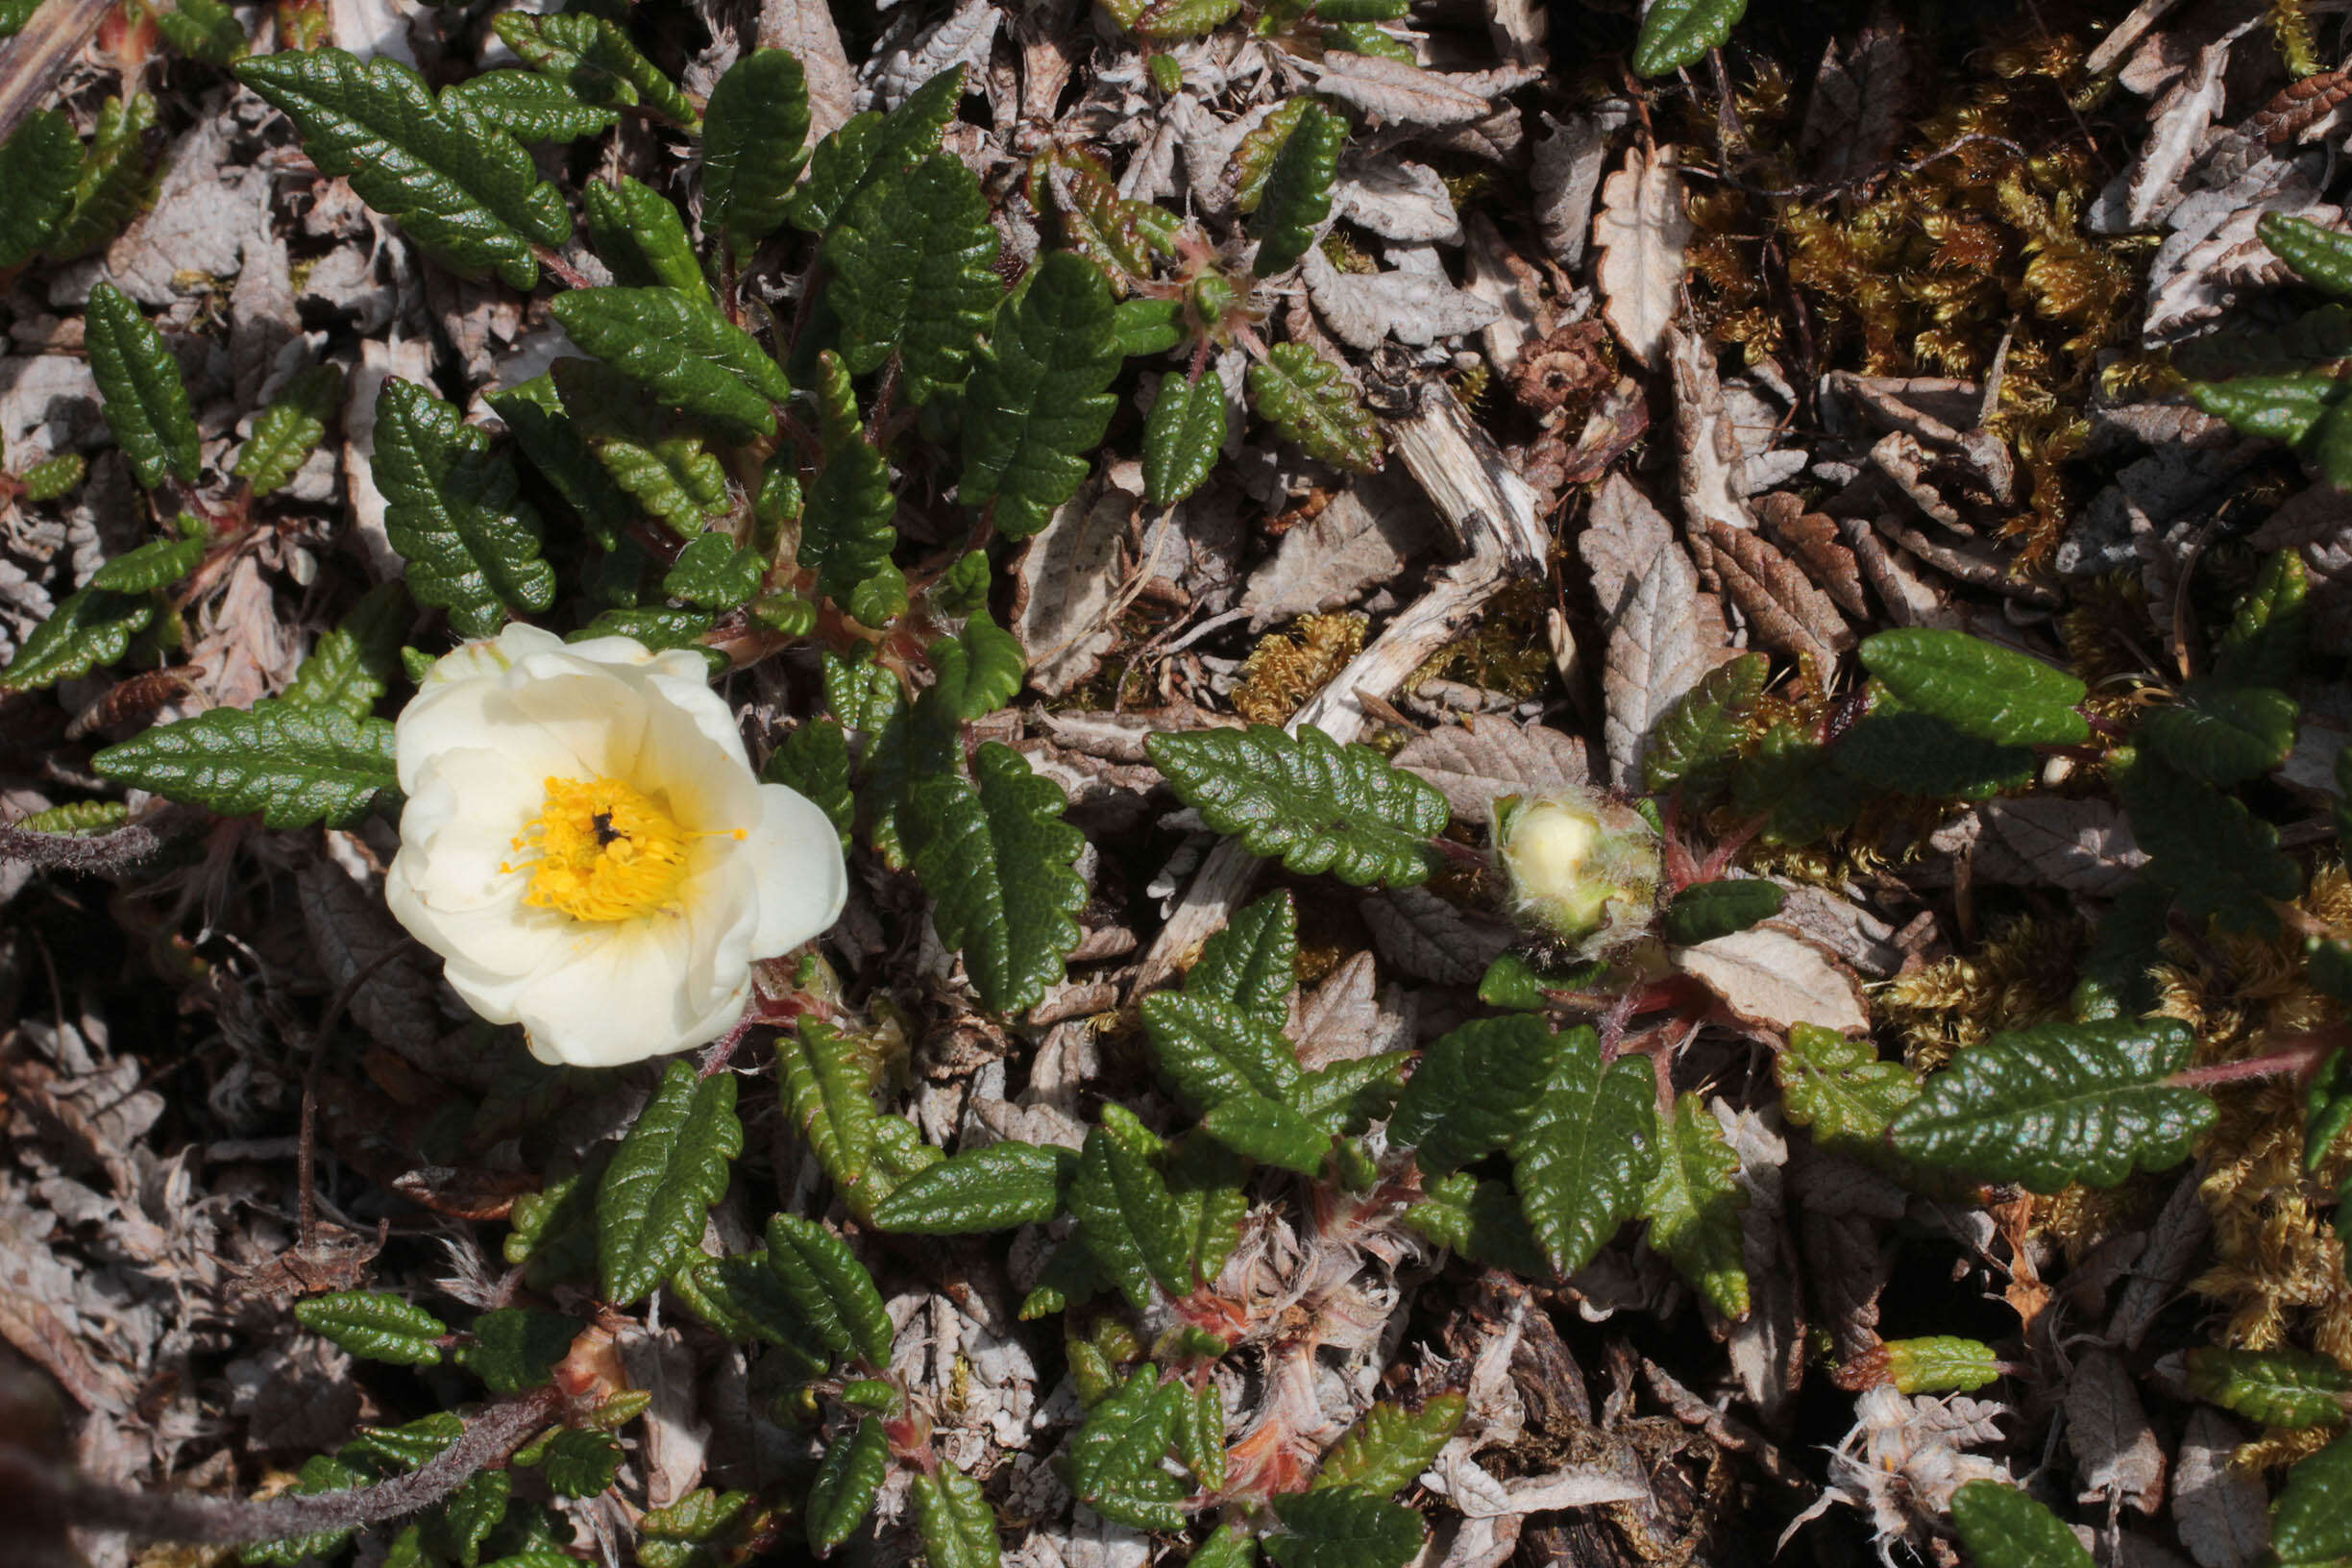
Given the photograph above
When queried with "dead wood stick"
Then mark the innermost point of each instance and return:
(32, 61)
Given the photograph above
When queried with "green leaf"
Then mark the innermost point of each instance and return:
(292, 766)
(830, 1289)
(596, 61)
(375, 1326)
(1253, 161)
(39, 166)
(2059, 1103)
(514, 1347)
(581, 1462)
(1697, 737)
(1388, 1447)
(1343, 1526)
(1839, 1088)
(1318, 805)
(1038, 401)
(1131, 1221)
(1707, 910)
(1123, 1441)
(681, 349)
(1938, 1364)
(692, 1531)
(1297, 196)
(1906, 752)
(2320, 257)
(2223, 735)
(997, 859)
(14, 15)
(397, 1450)
(713, 573)
(1269, 1131)
(814, 760)
(560, 450)
(1678, 33)
(320, 1473)
(849, 1479)
(1213, 1050)
(991, 1189)
(1479, 1220)
(1511, 982)
(2268, 632)
(914, 265)
(115, 180)
(157, 564)
(1309, 400)
(78, 819)
(1233, 1546)
(1182, 437)
(655, 1197)
(453, 512)
(638, 233)
(870, 147)
(2277, 1388)
(676, 479)
(458, 1529)
(957, 1525)
(1147, 326)
(1981, 689)
(2311, 1524)
(205, 30)
(53, 476)
(1122, 238)
(289, 429)
(2286, 408)
(845, 531)
(1693, 1207)
(2004, 1528)
(1588, 1151)
(742, 1297)
(1253, 963)
(752, 133)
(462, 189)
(828, 1097)
(139, 390)
(2327, 1098)
(87, 629)
(2222, 862)
(1474, 1090)
(963, 589)
(527, 105)
(862, 695)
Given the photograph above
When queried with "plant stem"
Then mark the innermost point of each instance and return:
(2299, 1059)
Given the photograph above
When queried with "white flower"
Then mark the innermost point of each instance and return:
(586, 846)
(1580, 865)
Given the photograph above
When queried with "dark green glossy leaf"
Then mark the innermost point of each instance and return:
(453, 511)
(139, 390)
(1589, 1150)
(656, 1194)
(292, 766)
(1038, 399)
(1318, 805)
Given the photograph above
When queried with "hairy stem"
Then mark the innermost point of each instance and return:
(2298, 1060)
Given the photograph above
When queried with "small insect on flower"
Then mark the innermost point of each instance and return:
(587, 847)
(1582, 867)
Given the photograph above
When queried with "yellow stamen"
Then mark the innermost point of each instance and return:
(603, 851)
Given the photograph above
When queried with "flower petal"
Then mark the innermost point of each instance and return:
(624, 995)
(796, 860)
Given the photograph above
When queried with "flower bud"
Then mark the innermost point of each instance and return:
(1580, 866)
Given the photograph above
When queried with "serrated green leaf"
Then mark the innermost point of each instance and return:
(1479, 1220)
(849, 1479)
(514, 1348)
(456, 1530)
(1120, 236)
(753, 131)
(86, 630)
(1697, 735)
(1123, 1440)
(1316, 804)
(39, 166)
(527, 105)
(1132, 1222)
(115, 183)
(860, 694)
(1588, 1151)
(914, 260)
(2004, 1528)
(1707, 910)
(375, 1326)
(1147, 326)
(286, 431)
(2319, 256)
(1388, 1447)
(1343, 1526)
(77, 819)
(2222, 862)
(1214, 1050)
(581, 1462)
(830, 1289)
(139, 390)
(2264, 643)
(1366, 39)
(1182, 437)
(292, 766)
(980, 669)
(453, 512)
(1271, 1133)
(1252, 961)
(957, 1523)
(397, 1450)
(997, 859)
(1233, 1546)
(205, 30)
(1693, 1207)
(713, 573)
(157, 564)
(845, 531)
(1309, 400)
(639, 234)
(596, 59)
(1838, 1087)
(560, 448)
(692, 1531)
(1253, 158)
(656, 1194)
(681, 349)
(870, 147)
(828, 1097)
(1938, 1364)
(1173, 19)
(2277, 1388)
(676, 479)
(1474, 1090)
(990, 1188)
(2059, 1103)
(1677, 33)
(461, 188)
(2285, 409)
(53, 476)
(1036, 402)
(742, 1298)
(814, 760)
(1297, 196)
(1981, 689)
(963, 589)
(2311, 1524)
(2223, 735)
(1200, 1435)
(1907, 752)
(1511, 982)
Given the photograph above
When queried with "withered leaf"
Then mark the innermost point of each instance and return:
(1476, 762)
(1786, 610)
(1771, 977)
(1666, 636)
(1642, 232)
(1067, 588)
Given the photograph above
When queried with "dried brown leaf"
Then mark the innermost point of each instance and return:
(1664, 638)
(1642, 232)
(1066, 592)
(1776, 979)
(1473, 762)
(1782, 605)
(2222, 1509)
(2115, 1451)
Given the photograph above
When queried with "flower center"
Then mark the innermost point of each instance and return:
(601, 851)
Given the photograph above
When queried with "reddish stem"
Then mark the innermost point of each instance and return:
(2297, 1061)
